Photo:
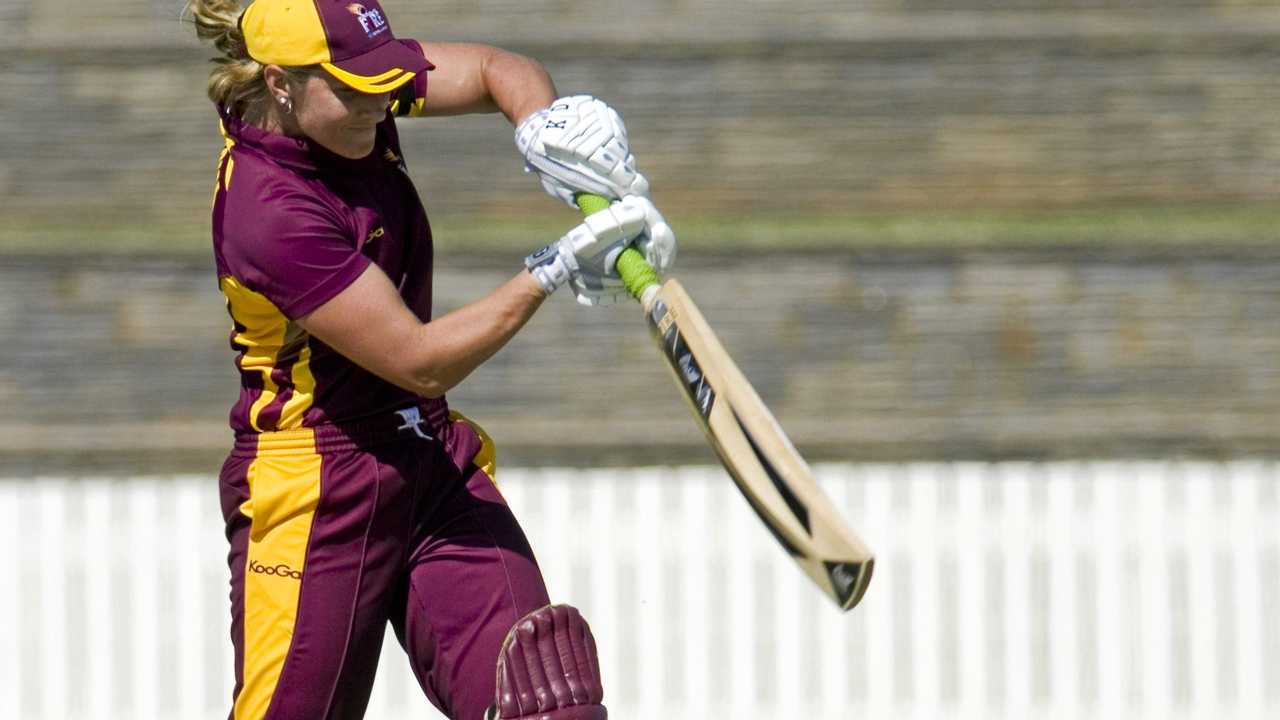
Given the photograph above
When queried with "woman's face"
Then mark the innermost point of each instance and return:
(339, 118)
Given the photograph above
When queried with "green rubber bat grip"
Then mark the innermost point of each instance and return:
(637, 274)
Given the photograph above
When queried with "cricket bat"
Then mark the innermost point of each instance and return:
(757, 454)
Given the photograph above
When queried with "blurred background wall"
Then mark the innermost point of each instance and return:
(978, 228)
(864, 354)
(829, 107)
(997, 232)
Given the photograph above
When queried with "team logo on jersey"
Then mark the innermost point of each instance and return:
(371, 19)
(414, 421)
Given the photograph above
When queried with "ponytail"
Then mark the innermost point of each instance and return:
(236, 81)
(218, 21)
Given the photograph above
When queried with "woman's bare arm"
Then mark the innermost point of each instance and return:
(369, 324)
(473, 78)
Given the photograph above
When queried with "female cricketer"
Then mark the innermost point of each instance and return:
(354, 496)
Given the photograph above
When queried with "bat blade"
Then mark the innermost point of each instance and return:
(770, 473)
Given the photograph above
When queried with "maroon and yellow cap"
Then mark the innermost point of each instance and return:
(352, 41)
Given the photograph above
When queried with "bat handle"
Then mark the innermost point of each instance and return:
(637, 274)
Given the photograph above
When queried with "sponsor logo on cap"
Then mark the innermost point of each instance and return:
(370, 19)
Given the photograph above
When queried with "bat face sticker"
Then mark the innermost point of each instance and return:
(681, 358)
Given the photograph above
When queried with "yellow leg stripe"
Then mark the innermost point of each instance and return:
(284, 492)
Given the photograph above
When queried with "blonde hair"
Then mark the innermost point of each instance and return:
(236, 82)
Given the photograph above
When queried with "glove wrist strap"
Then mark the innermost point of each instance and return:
(550, 267)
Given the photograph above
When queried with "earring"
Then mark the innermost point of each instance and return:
(286, 104)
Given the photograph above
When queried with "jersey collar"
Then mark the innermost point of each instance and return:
(295, 153)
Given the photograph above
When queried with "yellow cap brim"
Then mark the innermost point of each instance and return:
(386, 82)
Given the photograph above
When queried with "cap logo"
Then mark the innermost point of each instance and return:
(370, 19)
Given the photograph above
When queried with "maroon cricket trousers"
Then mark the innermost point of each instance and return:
(338, 529)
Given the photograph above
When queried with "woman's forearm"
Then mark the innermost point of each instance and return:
(369, 323)
(446, 350)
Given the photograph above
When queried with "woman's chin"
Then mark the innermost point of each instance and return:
(353, 148)
(356, 151)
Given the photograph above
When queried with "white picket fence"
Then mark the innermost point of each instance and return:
(1061, 590)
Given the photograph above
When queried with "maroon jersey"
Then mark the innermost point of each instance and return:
(294, 225)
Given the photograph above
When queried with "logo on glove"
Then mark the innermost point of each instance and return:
(543, 255)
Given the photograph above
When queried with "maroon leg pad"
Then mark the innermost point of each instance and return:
(548, 669)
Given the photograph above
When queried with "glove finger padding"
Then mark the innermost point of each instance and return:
(580, 144)
(599, 141)
(548, 669)
(555, 188)
(594, 289)
(603, 235)
(615, 226)
(635, 221)
(657, 243)
(596, 126)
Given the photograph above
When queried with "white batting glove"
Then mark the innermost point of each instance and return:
(615, 226)
(579, 144)
(597, 281)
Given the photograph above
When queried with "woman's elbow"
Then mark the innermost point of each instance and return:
(431, 392)
(427, 383)
(427, 387)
